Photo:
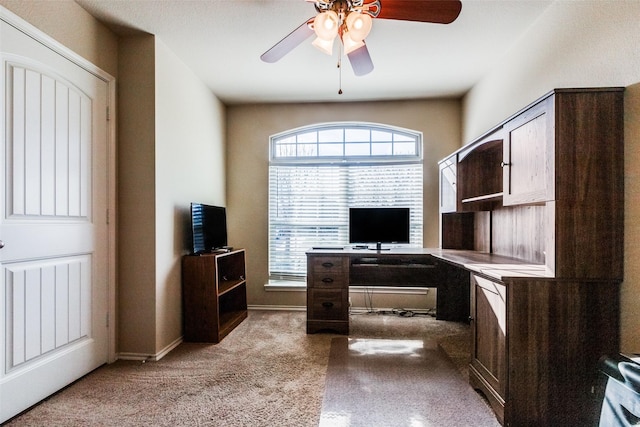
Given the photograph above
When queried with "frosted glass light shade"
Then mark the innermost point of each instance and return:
(359, 25)
(326, 25)
(350, 44)
(325, 46)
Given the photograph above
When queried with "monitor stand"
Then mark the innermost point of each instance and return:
(379, 248)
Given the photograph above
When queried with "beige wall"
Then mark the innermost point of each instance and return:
(171, 153)
(190, 167)
(248, 131)
(136, 196)
(577, 44)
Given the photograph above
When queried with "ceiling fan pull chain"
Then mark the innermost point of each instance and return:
(340, 72)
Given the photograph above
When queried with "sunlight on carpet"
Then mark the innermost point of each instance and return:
(397, 382)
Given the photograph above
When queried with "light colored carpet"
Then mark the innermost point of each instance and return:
(396, 382)
(267, 372)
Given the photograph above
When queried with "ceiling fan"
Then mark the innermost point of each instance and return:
(351, 21)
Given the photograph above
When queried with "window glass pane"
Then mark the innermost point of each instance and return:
(287, 140)
(308, 137)
(331, 138)
(308, 150)
(402, 137)
(330, 150)
(353, 135)
(331, 135)
(357, 149)
(381, 149)
(286, 150)
(380, 136)
(404, 148)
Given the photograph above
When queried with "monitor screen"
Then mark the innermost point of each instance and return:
(208, 227)
(379, 225)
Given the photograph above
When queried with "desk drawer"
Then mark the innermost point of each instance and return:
(328, 304)
(328, 279)
(322, 264)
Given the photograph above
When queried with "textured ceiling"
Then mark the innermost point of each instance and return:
(222, 40)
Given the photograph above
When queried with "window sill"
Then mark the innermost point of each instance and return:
(285, 285)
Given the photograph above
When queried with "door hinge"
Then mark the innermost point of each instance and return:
(107, 216)
(107, 320)
(108, 114)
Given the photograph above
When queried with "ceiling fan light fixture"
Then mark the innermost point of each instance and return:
(325, 46)
(326, 25)
(359, 25)
(350, 44)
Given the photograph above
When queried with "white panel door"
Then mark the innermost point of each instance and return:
(53, 224)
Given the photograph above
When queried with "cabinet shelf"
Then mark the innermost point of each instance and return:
(479, 181)
(228, 285)
(484, 197)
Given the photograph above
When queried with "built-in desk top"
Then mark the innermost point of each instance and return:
(496, 266)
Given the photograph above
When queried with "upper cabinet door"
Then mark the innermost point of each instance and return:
(528, 165)
(448, 197)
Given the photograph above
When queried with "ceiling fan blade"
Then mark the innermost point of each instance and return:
(288, 43)
(360, 61)
(435, 11)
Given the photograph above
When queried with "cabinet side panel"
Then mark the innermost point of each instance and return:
(199, 299)
(590, 185)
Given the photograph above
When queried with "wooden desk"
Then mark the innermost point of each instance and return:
(330, 272)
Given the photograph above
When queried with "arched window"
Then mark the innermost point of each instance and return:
(318, 172)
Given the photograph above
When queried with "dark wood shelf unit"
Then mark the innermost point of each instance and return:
(214, 294)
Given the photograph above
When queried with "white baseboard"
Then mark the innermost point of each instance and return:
(143, 357)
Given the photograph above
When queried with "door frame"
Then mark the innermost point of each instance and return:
(46, 40)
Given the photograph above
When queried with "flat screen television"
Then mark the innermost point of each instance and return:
(379, 225)
(208, 227)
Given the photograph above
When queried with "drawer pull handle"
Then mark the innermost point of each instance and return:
(327, 280)
(327, 264)
(327, 304)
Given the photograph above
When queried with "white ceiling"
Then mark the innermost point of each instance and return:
(222, 40)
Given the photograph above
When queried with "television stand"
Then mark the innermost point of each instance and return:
(214, 294)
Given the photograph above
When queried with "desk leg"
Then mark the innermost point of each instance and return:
(453, 301)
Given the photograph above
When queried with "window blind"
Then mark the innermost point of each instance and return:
(309, 206)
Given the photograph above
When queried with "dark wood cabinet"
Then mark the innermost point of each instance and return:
(538, 335)
(214, 295)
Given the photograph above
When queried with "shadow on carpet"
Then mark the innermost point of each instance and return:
(393, 382)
